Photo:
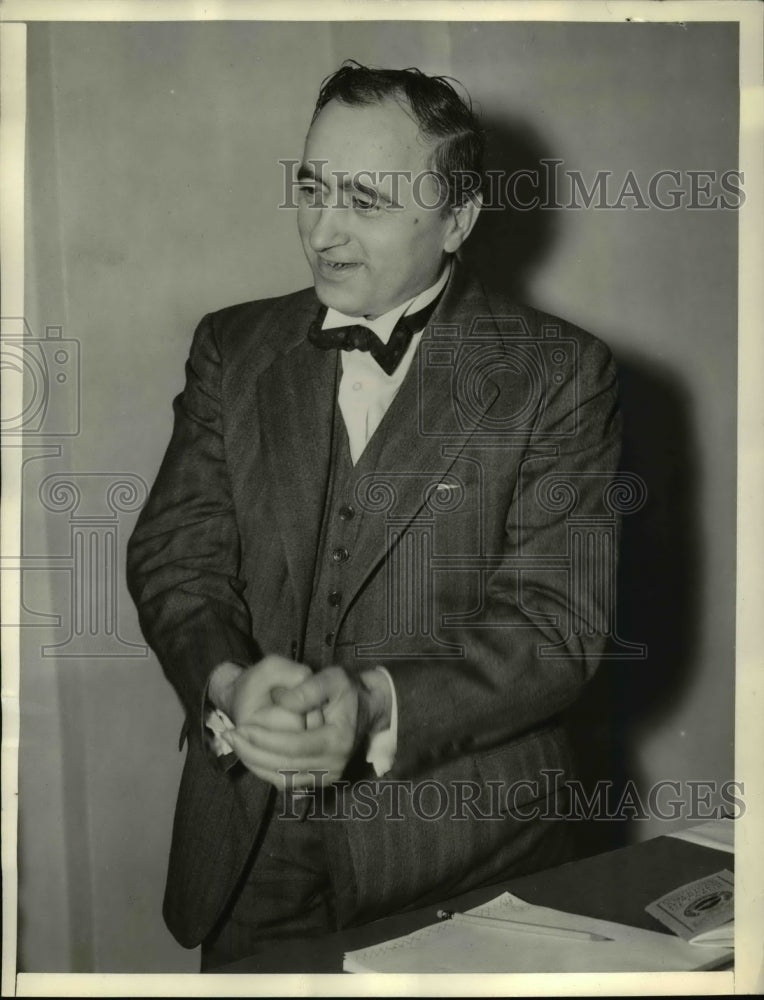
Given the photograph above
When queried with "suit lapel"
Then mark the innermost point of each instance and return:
(421, 433)
(296, 405)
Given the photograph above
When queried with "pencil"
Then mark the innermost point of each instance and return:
(523, 927)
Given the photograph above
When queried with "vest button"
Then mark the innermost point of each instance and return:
(329, 638)
(334, 598)
(347, 513)
(340, 555)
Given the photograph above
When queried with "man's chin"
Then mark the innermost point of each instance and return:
(343, 300)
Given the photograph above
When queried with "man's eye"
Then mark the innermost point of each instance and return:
(310, 194)
(366, 204)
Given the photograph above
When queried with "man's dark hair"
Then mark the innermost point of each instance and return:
(444, 118)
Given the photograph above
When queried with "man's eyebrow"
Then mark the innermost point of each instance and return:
(307, 173)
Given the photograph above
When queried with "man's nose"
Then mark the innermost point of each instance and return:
(329, 228)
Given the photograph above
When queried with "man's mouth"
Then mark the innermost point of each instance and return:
(336, 267)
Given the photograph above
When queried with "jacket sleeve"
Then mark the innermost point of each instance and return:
(510, 680)
(183, 558)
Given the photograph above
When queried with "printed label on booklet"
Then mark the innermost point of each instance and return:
(697, 908)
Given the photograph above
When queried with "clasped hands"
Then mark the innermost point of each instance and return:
(288, 719)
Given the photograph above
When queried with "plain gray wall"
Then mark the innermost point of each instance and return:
(151, 199)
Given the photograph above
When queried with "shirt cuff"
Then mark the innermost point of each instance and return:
(218, 722)
(383, 745)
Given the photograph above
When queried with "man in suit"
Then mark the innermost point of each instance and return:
(355, 562)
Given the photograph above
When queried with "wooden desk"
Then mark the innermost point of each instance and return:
(613, 886)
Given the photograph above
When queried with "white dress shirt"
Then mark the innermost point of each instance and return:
(366, 391)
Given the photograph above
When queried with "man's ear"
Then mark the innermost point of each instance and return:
(463, 219)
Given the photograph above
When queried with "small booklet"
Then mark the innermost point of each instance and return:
(701, 912)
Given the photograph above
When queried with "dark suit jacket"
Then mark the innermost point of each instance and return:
(503, 435)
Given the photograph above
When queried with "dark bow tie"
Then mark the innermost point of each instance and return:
(361, 338)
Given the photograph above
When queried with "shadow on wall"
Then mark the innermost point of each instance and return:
(660, 561)
(657, 599)
(508, 245)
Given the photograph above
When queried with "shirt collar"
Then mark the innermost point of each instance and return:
(384, 325)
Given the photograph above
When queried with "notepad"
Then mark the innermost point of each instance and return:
(455, 947)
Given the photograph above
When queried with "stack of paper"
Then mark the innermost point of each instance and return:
(719, 834)
(451, 946)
